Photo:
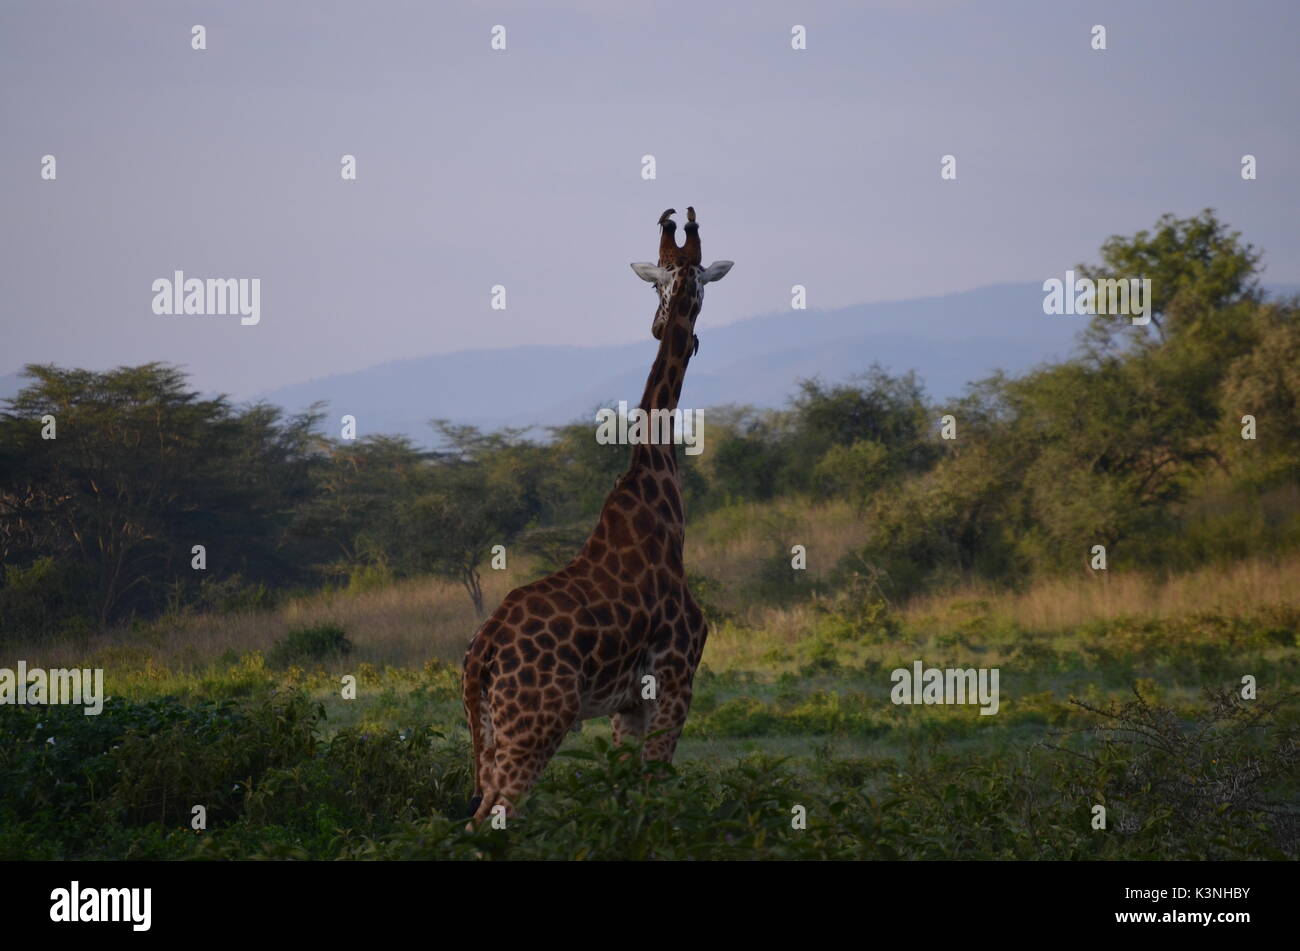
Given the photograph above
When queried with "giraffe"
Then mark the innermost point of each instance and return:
(578, 643)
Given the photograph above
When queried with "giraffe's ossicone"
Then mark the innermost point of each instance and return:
(588, 640)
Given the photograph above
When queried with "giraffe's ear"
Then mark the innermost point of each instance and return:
(716, 271)
(649, 272)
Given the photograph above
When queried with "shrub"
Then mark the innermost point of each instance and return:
(43, 599)
(316, 643)
(71, 777)
(209, 755)
(1217, 785)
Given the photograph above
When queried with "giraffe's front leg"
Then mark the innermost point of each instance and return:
(629, 724)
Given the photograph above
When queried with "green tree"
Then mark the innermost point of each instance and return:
(448, 522)
(355, 486)
(876, 408)
(141, 469)
(1197, 268)
(1265, 384)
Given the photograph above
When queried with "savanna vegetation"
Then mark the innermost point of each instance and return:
(321, 558)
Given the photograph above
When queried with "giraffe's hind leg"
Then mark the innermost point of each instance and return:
(523, 745)
(517, 769)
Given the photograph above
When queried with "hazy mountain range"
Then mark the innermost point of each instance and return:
(949, 341)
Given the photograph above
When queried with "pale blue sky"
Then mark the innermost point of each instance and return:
(522, 167)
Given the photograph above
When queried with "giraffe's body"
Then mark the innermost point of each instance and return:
(578, 643)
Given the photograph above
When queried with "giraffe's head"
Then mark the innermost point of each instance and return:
(679, 277)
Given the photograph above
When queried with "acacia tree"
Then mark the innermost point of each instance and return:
(448, 522)
(139, 470)
(354, 488)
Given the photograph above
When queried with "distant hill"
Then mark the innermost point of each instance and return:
(949, 341)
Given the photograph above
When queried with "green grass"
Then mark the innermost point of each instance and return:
(286, 767)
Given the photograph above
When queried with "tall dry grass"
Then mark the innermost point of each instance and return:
(411, 622)
(404, 624)
(1058, 603)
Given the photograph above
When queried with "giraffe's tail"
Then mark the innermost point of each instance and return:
(474, 684)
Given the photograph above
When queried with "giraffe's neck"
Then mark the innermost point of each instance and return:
(663, 387)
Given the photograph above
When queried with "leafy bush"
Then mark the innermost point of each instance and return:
(1215, 783)
(43, 599)
(210, 757)
(316, 643)
(368, 779)
(1220, 784)
(65, 775)
(231, 593)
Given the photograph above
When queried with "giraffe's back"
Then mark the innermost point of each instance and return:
(574, 644)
